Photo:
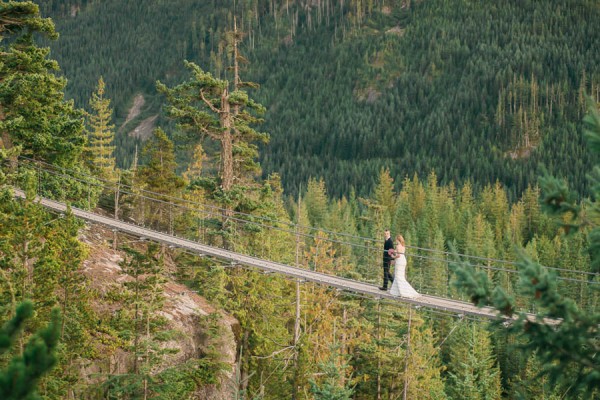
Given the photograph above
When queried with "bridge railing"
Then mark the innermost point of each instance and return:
(276, 239)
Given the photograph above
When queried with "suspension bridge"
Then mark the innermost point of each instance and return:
(303, 275)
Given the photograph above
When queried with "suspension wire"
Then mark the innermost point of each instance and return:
(422, 312)
(437, 314)
(433, 258)
(426, 287)
(228, 264)
(306, 235)
(513, 271)
(439, 346)
(433, 314)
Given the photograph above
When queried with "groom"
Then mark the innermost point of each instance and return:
(387, 260)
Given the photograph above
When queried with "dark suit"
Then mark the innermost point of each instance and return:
(387, 260)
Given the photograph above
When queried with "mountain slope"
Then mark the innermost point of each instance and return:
(472, 91)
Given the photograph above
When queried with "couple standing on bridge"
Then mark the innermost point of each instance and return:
(400, 286)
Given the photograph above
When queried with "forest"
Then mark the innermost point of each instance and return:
(354, 86)
(533, 248)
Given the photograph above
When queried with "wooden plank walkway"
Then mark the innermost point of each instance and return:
(454, 306)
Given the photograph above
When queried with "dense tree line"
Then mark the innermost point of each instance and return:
(295, 340)
(351, 87)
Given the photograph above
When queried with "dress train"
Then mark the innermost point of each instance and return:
(400, 286)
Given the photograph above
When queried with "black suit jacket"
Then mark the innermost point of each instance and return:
(389, 244)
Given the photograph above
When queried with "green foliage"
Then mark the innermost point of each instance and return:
(206, 106)
(356, 86)
(473, 372)
(21, 18)
(332, 385)
(101, 135)
(35, 119)
(19, 379)
(407, 88)
(572, 343)
(34, 114)
(158, 175)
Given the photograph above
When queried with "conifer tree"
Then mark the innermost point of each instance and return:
(144, 298)
(381, 207)
(208, 107)
(33, 112)
(422, 373)
(251, 297)
(34, 116)
(158, 175)
(472, 367)
(18, 381)
(316, 203)
(101, 135)
(533, 386)
(273, 244)
(465, 211)
(342, 220)
(571, 344)
(331, 387)
(23, 246)
(18, 21)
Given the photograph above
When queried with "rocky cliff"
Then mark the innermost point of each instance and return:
(184, 311)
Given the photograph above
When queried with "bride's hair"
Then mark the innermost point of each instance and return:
(400, 239)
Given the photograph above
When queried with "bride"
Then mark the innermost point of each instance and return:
(401, 287)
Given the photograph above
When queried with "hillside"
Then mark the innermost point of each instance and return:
(186, 340)
(475, 92)
(142, 320)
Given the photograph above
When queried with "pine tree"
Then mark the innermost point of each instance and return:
(33, 113)
(210, 107)
(472, 369)
(158, 176)
(23, 251)
(316, 202)
(18, 20)
(422, 375)
(532, 386)
(144, 298)
(382, 206)
(18, 381)
(572, 344)
(331, 386)
(34, 116)
(101, 135)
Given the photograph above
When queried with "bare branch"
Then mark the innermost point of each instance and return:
(208, 103)
(273, 354)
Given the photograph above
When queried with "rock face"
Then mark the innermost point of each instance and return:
(183, 310)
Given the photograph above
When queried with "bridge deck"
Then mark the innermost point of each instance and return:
(434, 302)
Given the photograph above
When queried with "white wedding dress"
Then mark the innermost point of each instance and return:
(401, 287)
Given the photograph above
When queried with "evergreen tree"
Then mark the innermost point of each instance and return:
(159, 177)
(316, 202)
(422, 375)
(33, 112)
(100, 148)
(382, 205)
(472, 369)
(23, 252)
(210, 107)
(143, 325)
(331, 387)
(572, 343)
(18, 21)
(18, 381)
(34, 116)
(533, 386)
